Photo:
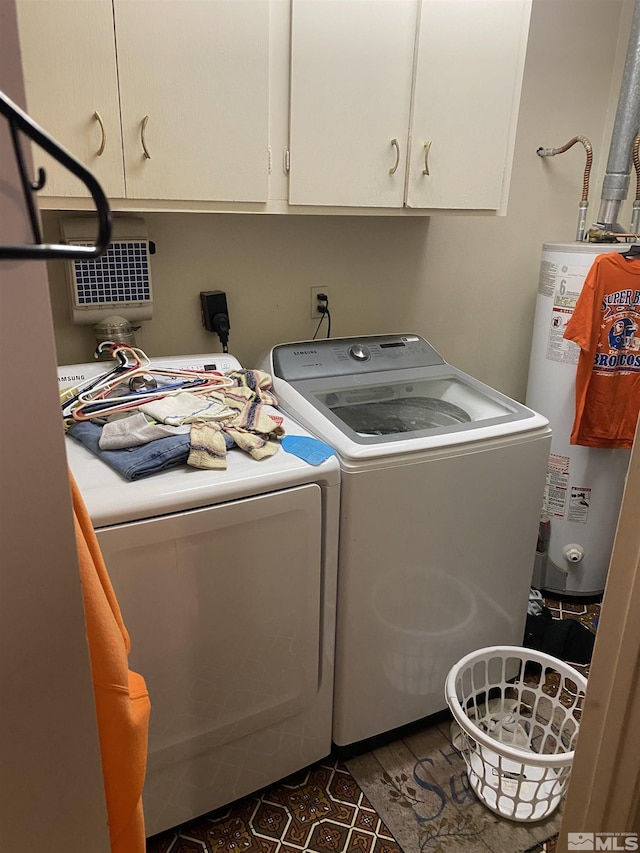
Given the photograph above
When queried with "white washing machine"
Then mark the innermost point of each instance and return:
(226, 582)
(442, 482)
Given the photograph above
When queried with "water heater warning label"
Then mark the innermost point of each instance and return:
(579, 502)
(557, 486)
(559, 349)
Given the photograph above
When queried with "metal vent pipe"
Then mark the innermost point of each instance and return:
(625, 130)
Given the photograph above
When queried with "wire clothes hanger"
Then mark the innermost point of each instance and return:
(20, 121)
(127, 360)
(94, 398)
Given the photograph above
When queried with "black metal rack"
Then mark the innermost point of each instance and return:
(20, 121)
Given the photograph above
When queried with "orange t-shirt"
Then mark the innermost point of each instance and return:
(605, 326)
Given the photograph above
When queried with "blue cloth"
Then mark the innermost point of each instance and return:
(311, 450)
(134, 462)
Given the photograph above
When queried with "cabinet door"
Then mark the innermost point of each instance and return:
(69, 61)
(470, 58)
(194, 88)
(351, 69)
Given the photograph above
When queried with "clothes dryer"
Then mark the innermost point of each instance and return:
(226, 582)
(442, 483)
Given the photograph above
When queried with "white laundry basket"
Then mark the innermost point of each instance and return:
(519, 714)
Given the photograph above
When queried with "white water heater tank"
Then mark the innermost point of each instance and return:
(584, 484)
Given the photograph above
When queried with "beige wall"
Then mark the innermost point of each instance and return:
(468, 284)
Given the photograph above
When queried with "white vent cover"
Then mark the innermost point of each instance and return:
(118, 282)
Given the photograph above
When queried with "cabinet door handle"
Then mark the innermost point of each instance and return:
(143, 127)
(103, 141)
(393, 169)
(427, 147)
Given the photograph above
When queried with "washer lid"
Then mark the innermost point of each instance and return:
(404, 411)
(409, 404)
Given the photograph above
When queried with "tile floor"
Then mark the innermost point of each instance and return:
(321, 809)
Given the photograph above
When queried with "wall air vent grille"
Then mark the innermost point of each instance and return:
(119, 281)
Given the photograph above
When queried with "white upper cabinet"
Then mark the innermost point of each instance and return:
(388, 106)
(194, 95)
(71, 82)
(181, 88)
(469, 64)
(351, 71)
(405, 102)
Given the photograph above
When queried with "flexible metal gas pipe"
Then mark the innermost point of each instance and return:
(584, 201)
(635, 213)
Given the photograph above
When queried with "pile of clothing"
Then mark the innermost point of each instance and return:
(196, 429)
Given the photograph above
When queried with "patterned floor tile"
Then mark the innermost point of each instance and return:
(321, 810)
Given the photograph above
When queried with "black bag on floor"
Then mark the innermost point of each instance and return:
(566, 639)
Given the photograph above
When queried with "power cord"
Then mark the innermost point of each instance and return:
(221, 327)
(324, 311)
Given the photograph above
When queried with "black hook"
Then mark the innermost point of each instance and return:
(19, 120)
(42, 180)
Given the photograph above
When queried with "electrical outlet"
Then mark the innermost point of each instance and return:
(315, 314)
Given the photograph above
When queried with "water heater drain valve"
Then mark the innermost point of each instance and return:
(573, 553)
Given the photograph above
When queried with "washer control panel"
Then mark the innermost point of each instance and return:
(346, 356)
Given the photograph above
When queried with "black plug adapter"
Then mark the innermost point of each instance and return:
(215, 314)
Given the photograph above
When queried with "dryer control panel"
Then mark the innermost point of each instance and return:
(346, 356)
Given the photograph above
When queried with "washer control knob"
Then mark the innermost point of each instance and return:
(359, 352)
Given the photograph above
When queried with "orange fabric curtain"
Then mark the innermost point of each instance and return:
(122, 700)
